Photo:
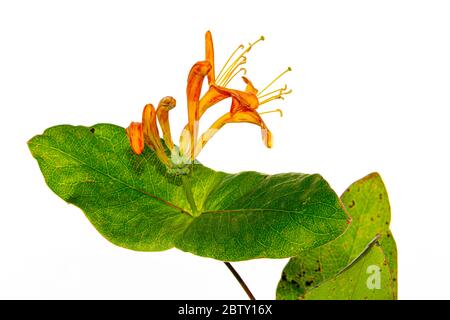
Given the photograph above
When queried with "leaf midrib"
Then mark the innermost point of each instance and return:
(269, 209)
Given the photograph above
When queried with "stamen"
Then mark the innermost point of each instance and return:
(230, 70)
(271, 99)
(274, 80)
(272, 111)
(234, 75)
(278, 96)
(226, 63)
(241, 59)
(272, 92)
(273, 95)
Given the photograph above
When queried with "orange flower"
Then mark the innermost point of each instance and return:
(244, 108)
(244, 103)
(147, 131)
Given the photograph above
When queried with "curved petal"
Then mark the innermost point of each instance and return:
(240, 115)
(151, 133)
(250, 87)
(165, 105)
(208, 134)
(211, 97)
(194, 87)
(251, 116)
(215, 94)
(245, 99)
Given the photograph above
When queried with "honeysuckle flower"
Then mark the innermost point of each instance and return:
(244, 108)
(244, 103)
(147, 132)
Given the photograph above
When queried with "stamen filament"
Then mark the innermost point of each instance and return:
(274, 80)
(234, 75)
(271, 99)
(226, 63)
(280, 90)
(280, 93)
(230, 70)
(236, 62)
(272, 111)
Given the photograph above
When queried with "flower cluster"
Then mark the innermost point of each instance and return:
(244, 108)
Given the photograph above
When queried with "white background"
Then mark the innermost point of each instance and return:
(371, 84)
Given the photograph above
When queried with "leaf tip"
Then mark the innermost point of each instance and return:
(372, 175)
(30, 143)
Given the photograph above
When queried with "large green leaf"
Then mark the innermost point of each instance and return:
(368, 204)
(136, 204)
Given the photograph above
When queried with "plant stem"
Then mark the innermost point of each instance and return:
(190, 197)
(241, 282)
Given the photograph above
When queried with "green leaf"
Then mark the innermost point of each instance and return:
(134, 203)
(367, 278)
(368, 205)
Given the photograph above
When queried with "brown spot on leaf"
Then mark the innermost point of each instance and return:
(309, 283)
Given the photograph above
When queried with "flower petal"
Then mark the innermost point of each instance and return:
(250, 87)
(244, 99)
(209, 53)
(136, 136)
(215, 94)
(162, 112)
(194, 87)
(151, 133)
(252, 116)
(241, 114)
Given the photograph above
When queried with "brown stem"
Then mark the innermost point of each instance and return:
(239, 279)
